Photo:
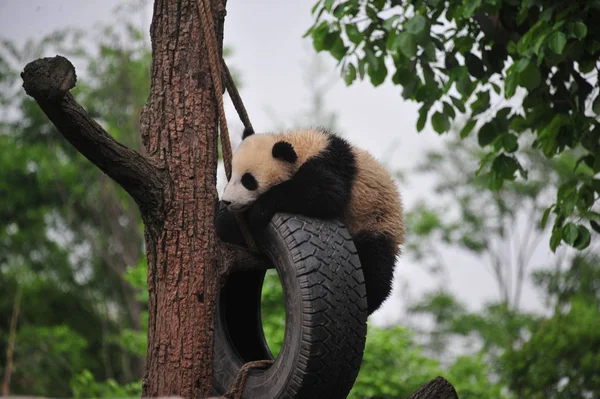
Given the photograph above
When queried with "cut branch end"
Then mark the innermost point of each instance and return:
(48, 81)
(49, 78)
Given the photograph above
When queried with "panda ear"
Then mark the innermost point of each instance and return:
(247, 132)
(284, 151)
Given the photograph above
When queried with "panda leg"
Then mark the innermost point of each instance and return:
(227, 227)
(377, 257)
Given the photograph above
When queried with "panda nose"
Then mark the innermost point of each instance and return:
(226, 203)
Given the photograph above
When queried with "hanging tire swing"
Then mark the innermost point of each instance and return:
(326, 315)
(323, 285)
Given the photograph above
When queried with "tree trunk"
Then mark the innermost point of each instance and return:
(179, 127)
(174, 185)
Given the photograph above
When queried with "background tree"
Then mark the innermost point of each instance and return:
(468, 57)
(70, 236)
(498, 231)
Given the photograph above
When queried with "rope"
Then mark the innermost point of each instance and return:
(237, 387)
(236, 99)
(218, 68)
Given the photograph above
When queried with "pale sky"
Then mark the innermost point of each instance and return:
(269, 51)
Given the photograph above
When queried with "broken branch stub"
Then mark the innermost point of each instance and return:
(48, 81)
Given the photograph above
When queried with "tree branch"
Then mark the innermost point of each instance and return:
(438, 388)
(48, 81)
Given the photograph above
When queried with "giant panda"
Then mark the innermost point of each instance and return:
(316, 173)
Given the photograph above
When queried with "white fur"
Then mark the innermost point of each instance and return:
(240, 197)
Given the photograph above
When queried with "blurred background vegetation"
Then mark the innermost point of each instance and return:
(73, 272)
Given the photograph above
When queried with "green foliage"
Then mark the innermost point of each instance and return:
(542, 55)
(68, 233)
(273, 311)
(561, 359)
(570, 360)
(554, 356)
(85, 386)
(393, 365)
(487, 224)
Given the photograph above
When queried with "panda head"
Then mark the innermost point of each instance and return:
(260, 162)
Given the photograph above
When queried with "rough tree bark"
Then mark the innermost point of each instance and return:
(179, 127)
(438, 388)
(174, 185)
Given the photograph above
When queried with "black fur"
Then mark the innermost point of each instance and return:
(249, 181)
(321, 188)
(284, 151)
(226, 225)
(376, 254)
(247, 132)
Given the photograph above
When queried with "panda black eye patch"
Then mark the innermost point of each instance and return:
(249, 182)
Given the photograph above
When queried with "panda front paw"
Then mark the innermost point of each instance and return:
(259, 216)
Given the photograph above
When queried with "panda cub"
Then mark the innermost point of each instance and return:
(318, 174)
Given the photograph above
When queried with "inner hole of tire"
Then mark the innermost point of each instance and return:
(272, 308)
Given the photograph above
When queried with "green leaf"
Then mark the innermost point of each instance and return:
(464, 132)
(587, 65)
(509, 142)
(361, 68)
(458, 104)
(596, 105)
(518, 123)
(450, 61)
(378, 4)
(555, 239)
(558, 41)
(354, 34)
(505, 166)
(545, 216)
(378, 74)
(330, 39)
(510, 84)
(481, 104)
(339, 11)
(350, 75)
(339, 49)
(464, 85)
(580, 30)
(318, 36)
(371, 58)
(586, 197)
(530, 77)
(423, 112)
(440, 122)
(569, 233)
(388, 24)
(470, 7)
(416, 25)
(583, 238)
(449, 111)
(407, 42)
(474, 66)
(393, 42)
(409, 88)
(487, 134)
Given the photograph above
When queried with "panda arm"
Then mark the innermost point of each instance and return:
(226, 226)
(314, 191)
